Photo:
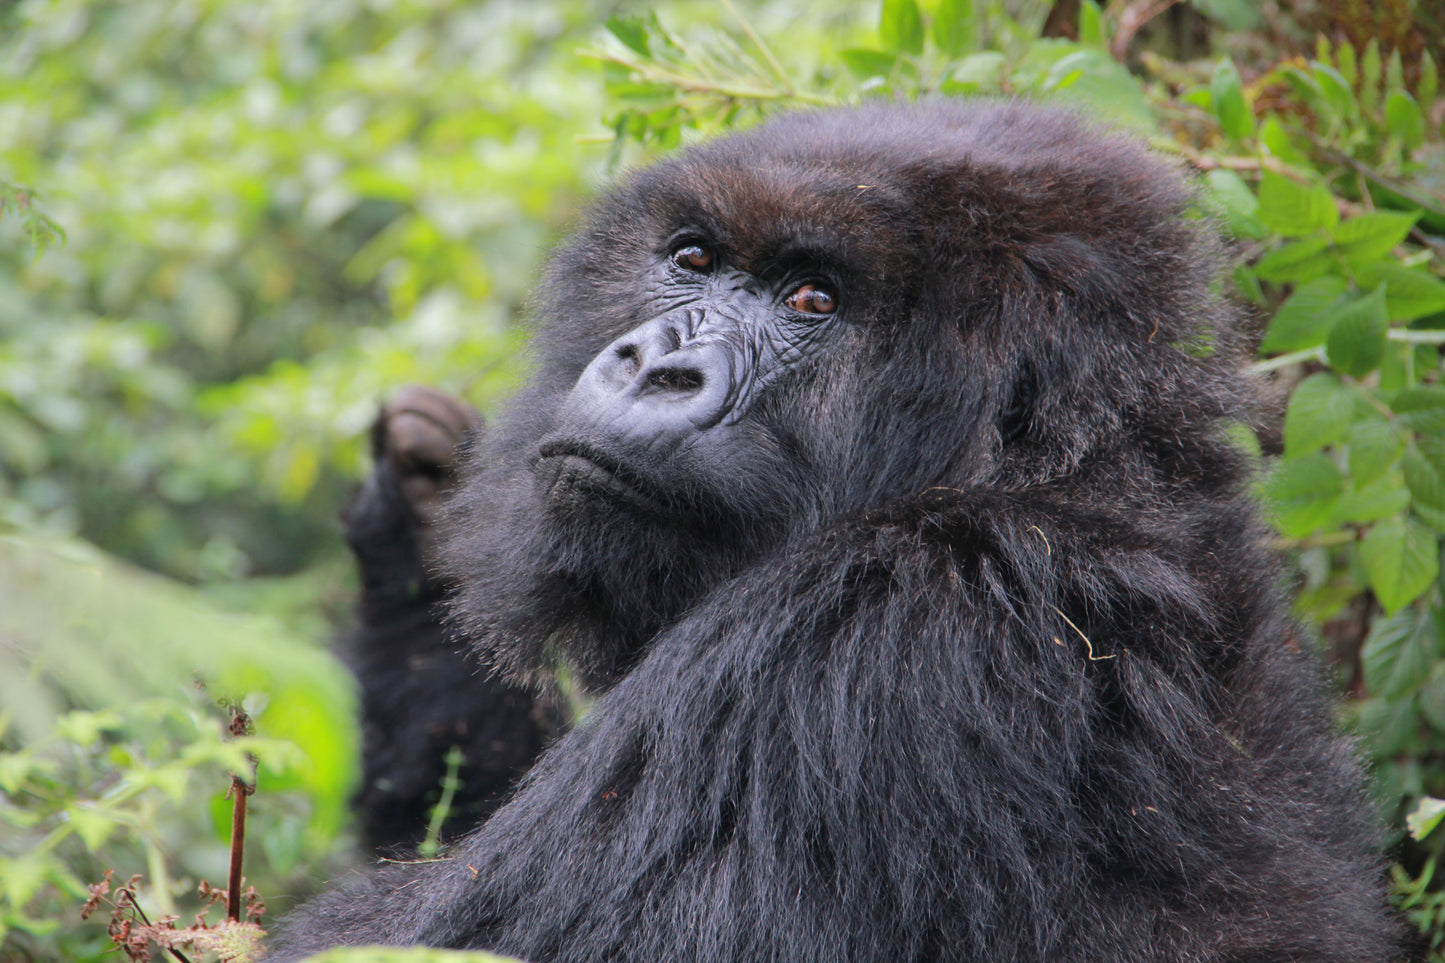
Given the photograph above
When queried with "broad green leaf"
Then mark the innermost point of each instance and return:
(1228, 103)
(1411, 293)
(1305, 318)
(1424, 470)
(900, 27)
(1091, 24)
(1385, 496)
(981, 71)
(1237, 201)
(1401, 559)
(1336, 90)
(1278, 142)
(1389, 727)
(1404, 120)
(1295, 210)
(953, 27)
(1399, 651)
(1432, 697)
(1301, 493)
(1321, 411)
(1426, 816)
(1422, 409)
(386, 954)
(1375, 446)
(1356, 343)
(1297, 262)
(1371, 236)
(632, 31)
(866, 64)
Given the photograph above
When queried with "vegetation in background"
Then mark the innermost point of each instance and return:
(256, 219)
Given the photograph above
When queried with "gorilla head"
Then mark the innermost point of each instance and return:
(815, 319)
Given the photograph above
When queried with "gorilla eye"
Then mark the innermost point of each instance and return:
(694, 257)
(811, 299)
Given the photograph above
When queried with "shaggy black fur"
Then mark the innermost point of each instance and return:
(957, 643)
(421, 696)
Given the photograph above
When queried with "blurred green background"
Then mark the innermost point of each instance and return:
(229, 229)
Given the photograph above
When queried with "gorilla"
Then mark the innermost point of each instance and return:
(873, 473)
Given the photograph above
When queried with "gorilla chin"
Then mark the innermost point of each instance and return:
(873, 474)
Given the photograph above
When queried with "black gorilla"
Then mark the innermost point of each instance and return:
(421, 696)
(873, 469)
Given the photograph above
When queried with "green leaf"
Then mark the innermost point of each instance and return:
(632, 31)
(1305, 318)
(1429, 84)
(1301, 493)
(1227, 100)
(1237, 201)
(1383, 497)
(1411, 293)
(1320, 413)
(1401, 559)
(1394, 72)
(1372, 72)
(1278, 142)
(1404, 120)
(866, 64)
(1297, 262)
(1398, 653)
(1432, 697)
(1422, 409)
(1426, 816)
(1357, 339)
(1091, 24)
(900, 27)
(1370, 237)
(1345, 62)
(1424, 469)
(1375, 446)
(1336, 90)
(981, 71)
(953, 27)
(1293, 209)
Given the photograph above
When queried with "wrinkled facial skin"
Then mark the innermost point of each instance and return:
(672, 391)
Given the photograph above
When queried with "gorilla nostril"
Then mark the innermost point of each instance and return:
(629, 354)
(675, 379)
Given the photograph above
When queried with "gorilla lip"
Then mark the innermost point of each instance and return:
(570, 471)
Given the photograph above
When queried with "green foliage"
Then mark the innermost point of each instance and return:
(1345, 255)
(137, 781)
(378, 954)
(274, 214)
(249, 191)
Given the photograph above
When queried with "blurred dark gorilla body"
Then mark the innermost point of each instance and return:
(872, 470)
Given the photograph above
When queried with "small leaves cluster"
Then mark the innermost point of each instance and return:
(1345, 256)
(133, 933)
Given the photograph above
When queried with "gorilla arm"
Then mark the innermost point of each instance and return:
(1006, 781)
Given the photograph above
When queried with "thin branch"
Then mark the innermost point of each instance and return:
(1131, 21)
(1285, 360)
(767, 53)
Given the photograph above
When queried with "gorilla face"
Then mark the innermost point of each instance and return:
(664, 402)
(789, 328)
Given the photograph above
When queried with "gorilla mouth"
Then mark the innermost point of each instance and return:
(570, 473)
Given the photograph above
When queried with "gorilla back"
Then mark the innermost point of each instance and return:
(872, 470)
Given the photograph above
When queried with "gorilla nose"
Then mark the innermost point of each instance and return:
(649, 388)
